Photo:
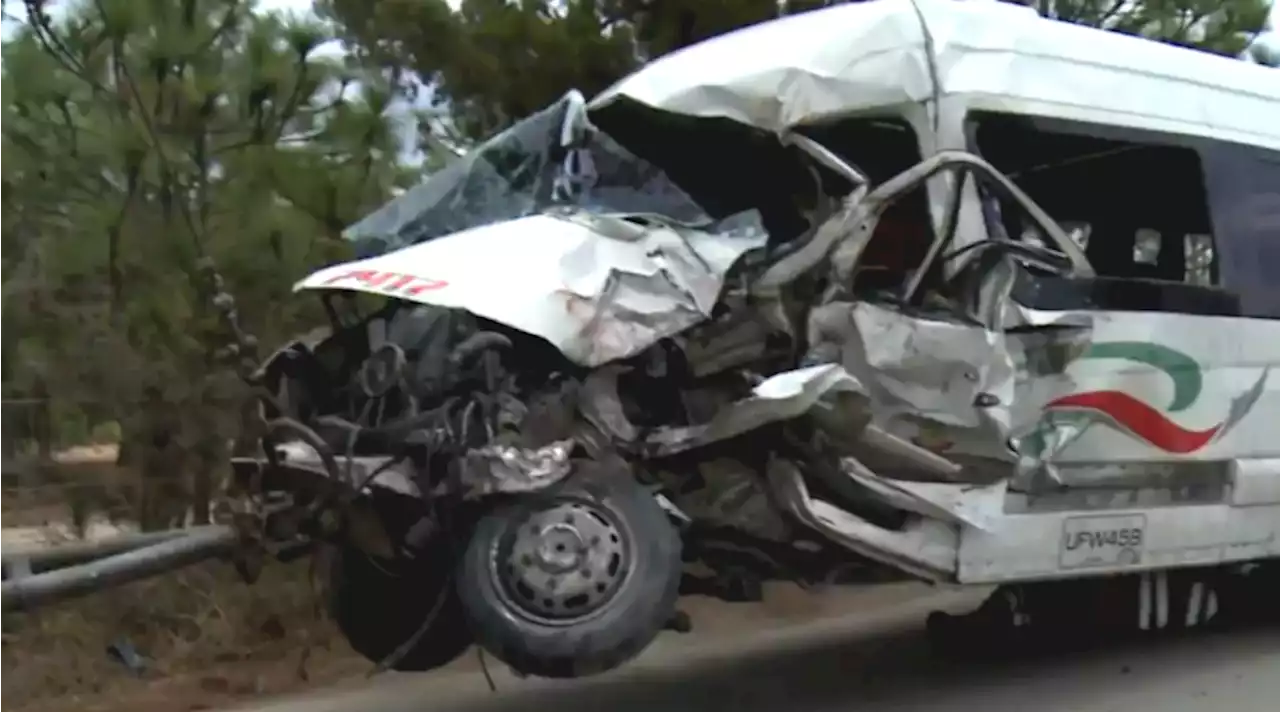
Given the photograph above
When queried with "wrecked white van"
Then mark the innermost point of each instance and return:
(902, 288)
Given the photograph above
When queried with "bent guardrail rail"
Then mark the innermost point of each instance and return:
(38, 577)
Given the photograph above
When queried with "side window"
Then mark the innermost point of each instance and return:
(882, 148)
(1244, 192)
(1147, 244)
(1200, 259)
(1138, 209)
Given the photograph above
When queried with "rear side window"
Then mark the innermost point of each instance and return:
(1244, 194)
(1137, 208)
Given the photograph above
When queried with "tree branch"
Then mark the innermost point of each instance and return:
(166, 168)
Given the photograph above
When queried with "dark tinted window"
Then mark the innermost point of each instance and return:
(1244, 194)
(1138, 208)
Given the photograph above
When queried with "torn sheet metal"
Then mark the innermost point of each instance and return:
(512, 470)
(937, 368)
(925, 547)
(968, 505)
(1051, 395)
(931, 366)
(787, 395)
(855, 57)
(598, 287)
(984, 393)
(837, 402)
(916, 454)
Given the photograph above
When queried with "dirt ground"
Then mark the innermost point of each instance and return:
(208, 641)
(206, 638)
(275, 669)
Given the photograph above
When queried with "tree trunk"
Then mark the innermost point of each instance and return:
(158, 459)
(211, 454)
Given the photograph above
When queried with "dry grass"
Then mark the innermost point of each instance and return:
(206, 636)
(210, 640)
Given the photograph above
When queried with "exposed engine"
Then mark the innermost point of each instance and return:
(639, 399)
(675, 341)
(458, 407)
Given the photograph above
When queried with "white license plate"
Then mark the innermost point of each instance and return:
(1102, 541)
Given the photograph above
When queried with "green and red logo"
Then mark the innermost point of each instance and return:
(1145, 422)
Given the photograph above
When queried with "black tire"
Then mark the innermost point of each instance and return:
(377, 608)
(988, 632)
(639, 603)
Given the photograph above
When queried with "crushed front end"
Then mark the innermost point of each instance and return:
(584, 393)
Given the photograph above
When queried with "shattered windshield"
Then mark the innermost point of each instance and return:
(523, 171)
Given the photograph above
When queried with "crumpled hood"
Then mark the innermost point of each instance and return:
(599, 288)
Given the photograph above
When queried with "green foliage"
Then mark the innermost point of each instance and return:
(492, 61)
(1218, 26)
(140, 136)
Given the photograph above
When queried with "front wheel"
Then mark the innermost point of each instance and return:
(573, 581)
(379, 605)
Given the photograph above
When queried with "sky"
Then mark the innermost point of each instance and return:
(287, 5)
(1270, 40)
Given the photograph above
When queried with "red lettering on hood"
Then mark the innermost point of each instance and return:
(393, 283)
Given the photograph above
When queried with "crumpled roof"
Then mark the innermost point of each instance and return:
(852, 58)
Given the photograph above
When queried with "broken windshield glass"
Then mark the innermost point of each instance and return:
(523, 171)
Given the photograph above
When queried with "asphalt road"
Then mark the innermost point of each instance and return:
(865, 663)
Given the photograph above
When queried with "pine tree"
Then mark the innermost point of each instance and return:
(140, 138)
(490, 62)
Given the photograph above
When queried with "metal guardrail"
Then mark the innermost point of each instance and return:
(37, 577)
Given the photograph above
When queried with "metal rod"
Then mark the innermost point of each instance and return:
(886, 442)
(38, 559)
(42, 589)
